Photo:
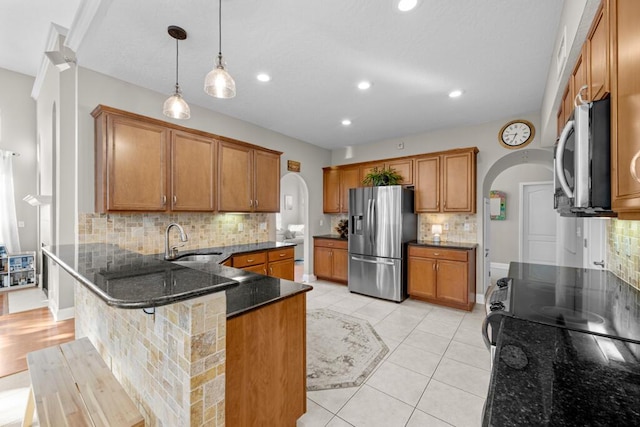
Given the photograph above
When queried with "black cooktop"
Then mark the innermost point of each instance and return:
(586, 300)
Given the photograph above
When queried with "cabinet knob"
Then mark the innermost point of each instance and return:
(434, 266)
(256, 203)
(175, 199)
(249, 260)
(164, 200)
(250, 203)
(282, 254)
(436, 253)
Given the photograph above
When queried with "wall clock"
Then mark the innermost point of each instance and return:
(516, 134)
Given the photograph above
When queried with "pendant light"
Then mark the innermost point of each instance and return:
(175, 106)
(218, 82)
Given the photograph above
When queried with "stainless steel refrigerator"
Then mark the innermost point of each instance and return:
(381, 222)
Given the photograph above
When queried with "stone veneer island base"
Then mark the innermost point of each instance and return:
(187, 365)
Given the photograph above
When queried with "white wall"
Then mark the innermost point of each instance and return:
(505, 233)
(18, 134)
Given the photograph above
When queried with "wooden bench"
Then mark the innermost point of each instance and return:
(71, 385)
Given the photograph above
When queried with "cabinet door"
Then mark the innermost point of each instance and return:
(567, 102)
(340, 265)
(452, 281)
(282, 269)
(404, 167)
(260, 269)
(322, 262)
(598, 54)
(367, 168)
(349, 178)
(331, 190)
(579, 78)
(458, 187)
(266, 181)
(234, 178)
(427, 184)
(422, 277)
(192, 172)
(137, 156)
(626, 110)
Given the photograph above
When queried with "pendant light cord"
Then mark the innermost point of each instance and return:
(220, 28)
(177, 63)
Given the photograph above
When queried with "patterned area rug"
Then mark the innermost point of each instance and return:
(341, 350)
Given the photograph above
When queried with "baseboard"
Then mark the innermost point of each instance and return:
(309, 278)
(64, 314)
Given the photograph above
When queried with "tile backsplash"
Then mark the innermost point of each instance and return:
(144, 232)
(623, 251)
(456, 232)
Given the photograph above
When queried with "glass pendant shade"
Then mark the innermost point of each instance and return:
(219, 82)
(176, 107)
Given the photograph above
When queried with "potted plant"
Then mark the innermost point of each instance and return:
(381, 176)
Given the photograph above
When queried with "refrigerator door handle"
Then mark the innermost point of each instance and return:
(371, 261)
(374, 222)
(368, 224)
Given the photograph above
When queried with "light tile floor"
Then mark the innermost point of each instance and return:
(435, 374)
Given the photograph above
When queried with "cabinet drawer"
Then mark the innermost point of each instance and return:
(437, 253)
(280, 254)
(331, 243)
(249, 259)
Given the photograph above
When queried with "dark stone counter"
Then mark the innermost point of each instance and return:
(444, 245)
(128, 279)
(549, 376)
(331, 236)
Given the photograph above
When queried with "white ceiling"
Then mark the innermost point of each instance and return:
(497, 51)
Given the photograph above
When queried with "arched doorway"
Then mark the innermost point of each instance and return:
(293, 219)
(519, 166)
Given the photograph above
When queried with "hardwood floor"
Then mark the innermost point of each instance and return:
(21, 333)
(4, 303)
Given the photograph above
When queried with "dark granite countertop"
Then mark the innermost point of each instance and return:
(127, 279)
(549, 376)
(445, 245)
(331, 236)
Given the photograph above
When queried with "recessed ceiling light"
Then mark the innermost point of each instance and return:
(407, 5)
(364, 85)
(455, 93)
(346, 122)
(263, 77)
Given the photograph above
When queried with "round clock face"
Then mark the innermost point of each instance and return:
(516, 134)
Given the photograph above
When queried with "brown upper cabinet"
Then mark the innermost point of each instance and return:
(446, 182)
(249, 178)
(336, 184)
(598, 54)
(593, 67)
(625, 109)
(402, 166)
(147, 165)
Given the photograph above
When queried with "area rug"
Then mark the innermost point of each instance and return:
(26, 299)
(342, 350)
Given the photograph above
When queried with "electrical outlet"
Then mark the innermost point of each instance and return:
(467, 226)
(445, 227)
(627, 246)
(321, 222)
(263, 226)
(240, 226)
(616, 245)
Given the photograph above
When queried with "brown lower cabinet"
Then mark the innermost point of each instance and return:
(443, 276)
(275, 262)
(266, 365)
(331, 259)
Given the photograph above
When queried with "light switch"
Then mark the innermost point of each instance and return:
(240, 226)
(467, 227)
(263, 226)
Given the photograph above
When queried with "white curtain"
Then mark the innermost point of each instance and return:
(8, 219)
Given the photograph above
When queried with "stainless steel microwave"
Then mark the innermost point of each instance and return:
(582, 162)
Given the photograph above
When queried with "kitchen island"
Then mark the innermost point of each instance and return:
(174, 333)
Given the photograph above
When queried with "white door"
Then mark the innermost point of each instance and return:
(537, 223)
(594, 242)
(486, 239)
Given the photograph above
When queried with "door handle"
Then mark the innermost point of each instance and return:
(632, 166)
(601, 263)
(371, 262)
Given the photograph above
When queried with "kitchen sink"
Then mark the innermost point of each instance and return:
(210, 257)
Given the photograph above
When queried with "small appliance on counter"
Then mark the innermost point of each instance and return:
(381, 222)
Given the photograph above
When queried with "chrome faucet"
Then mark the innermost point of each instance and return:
(171, 253)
